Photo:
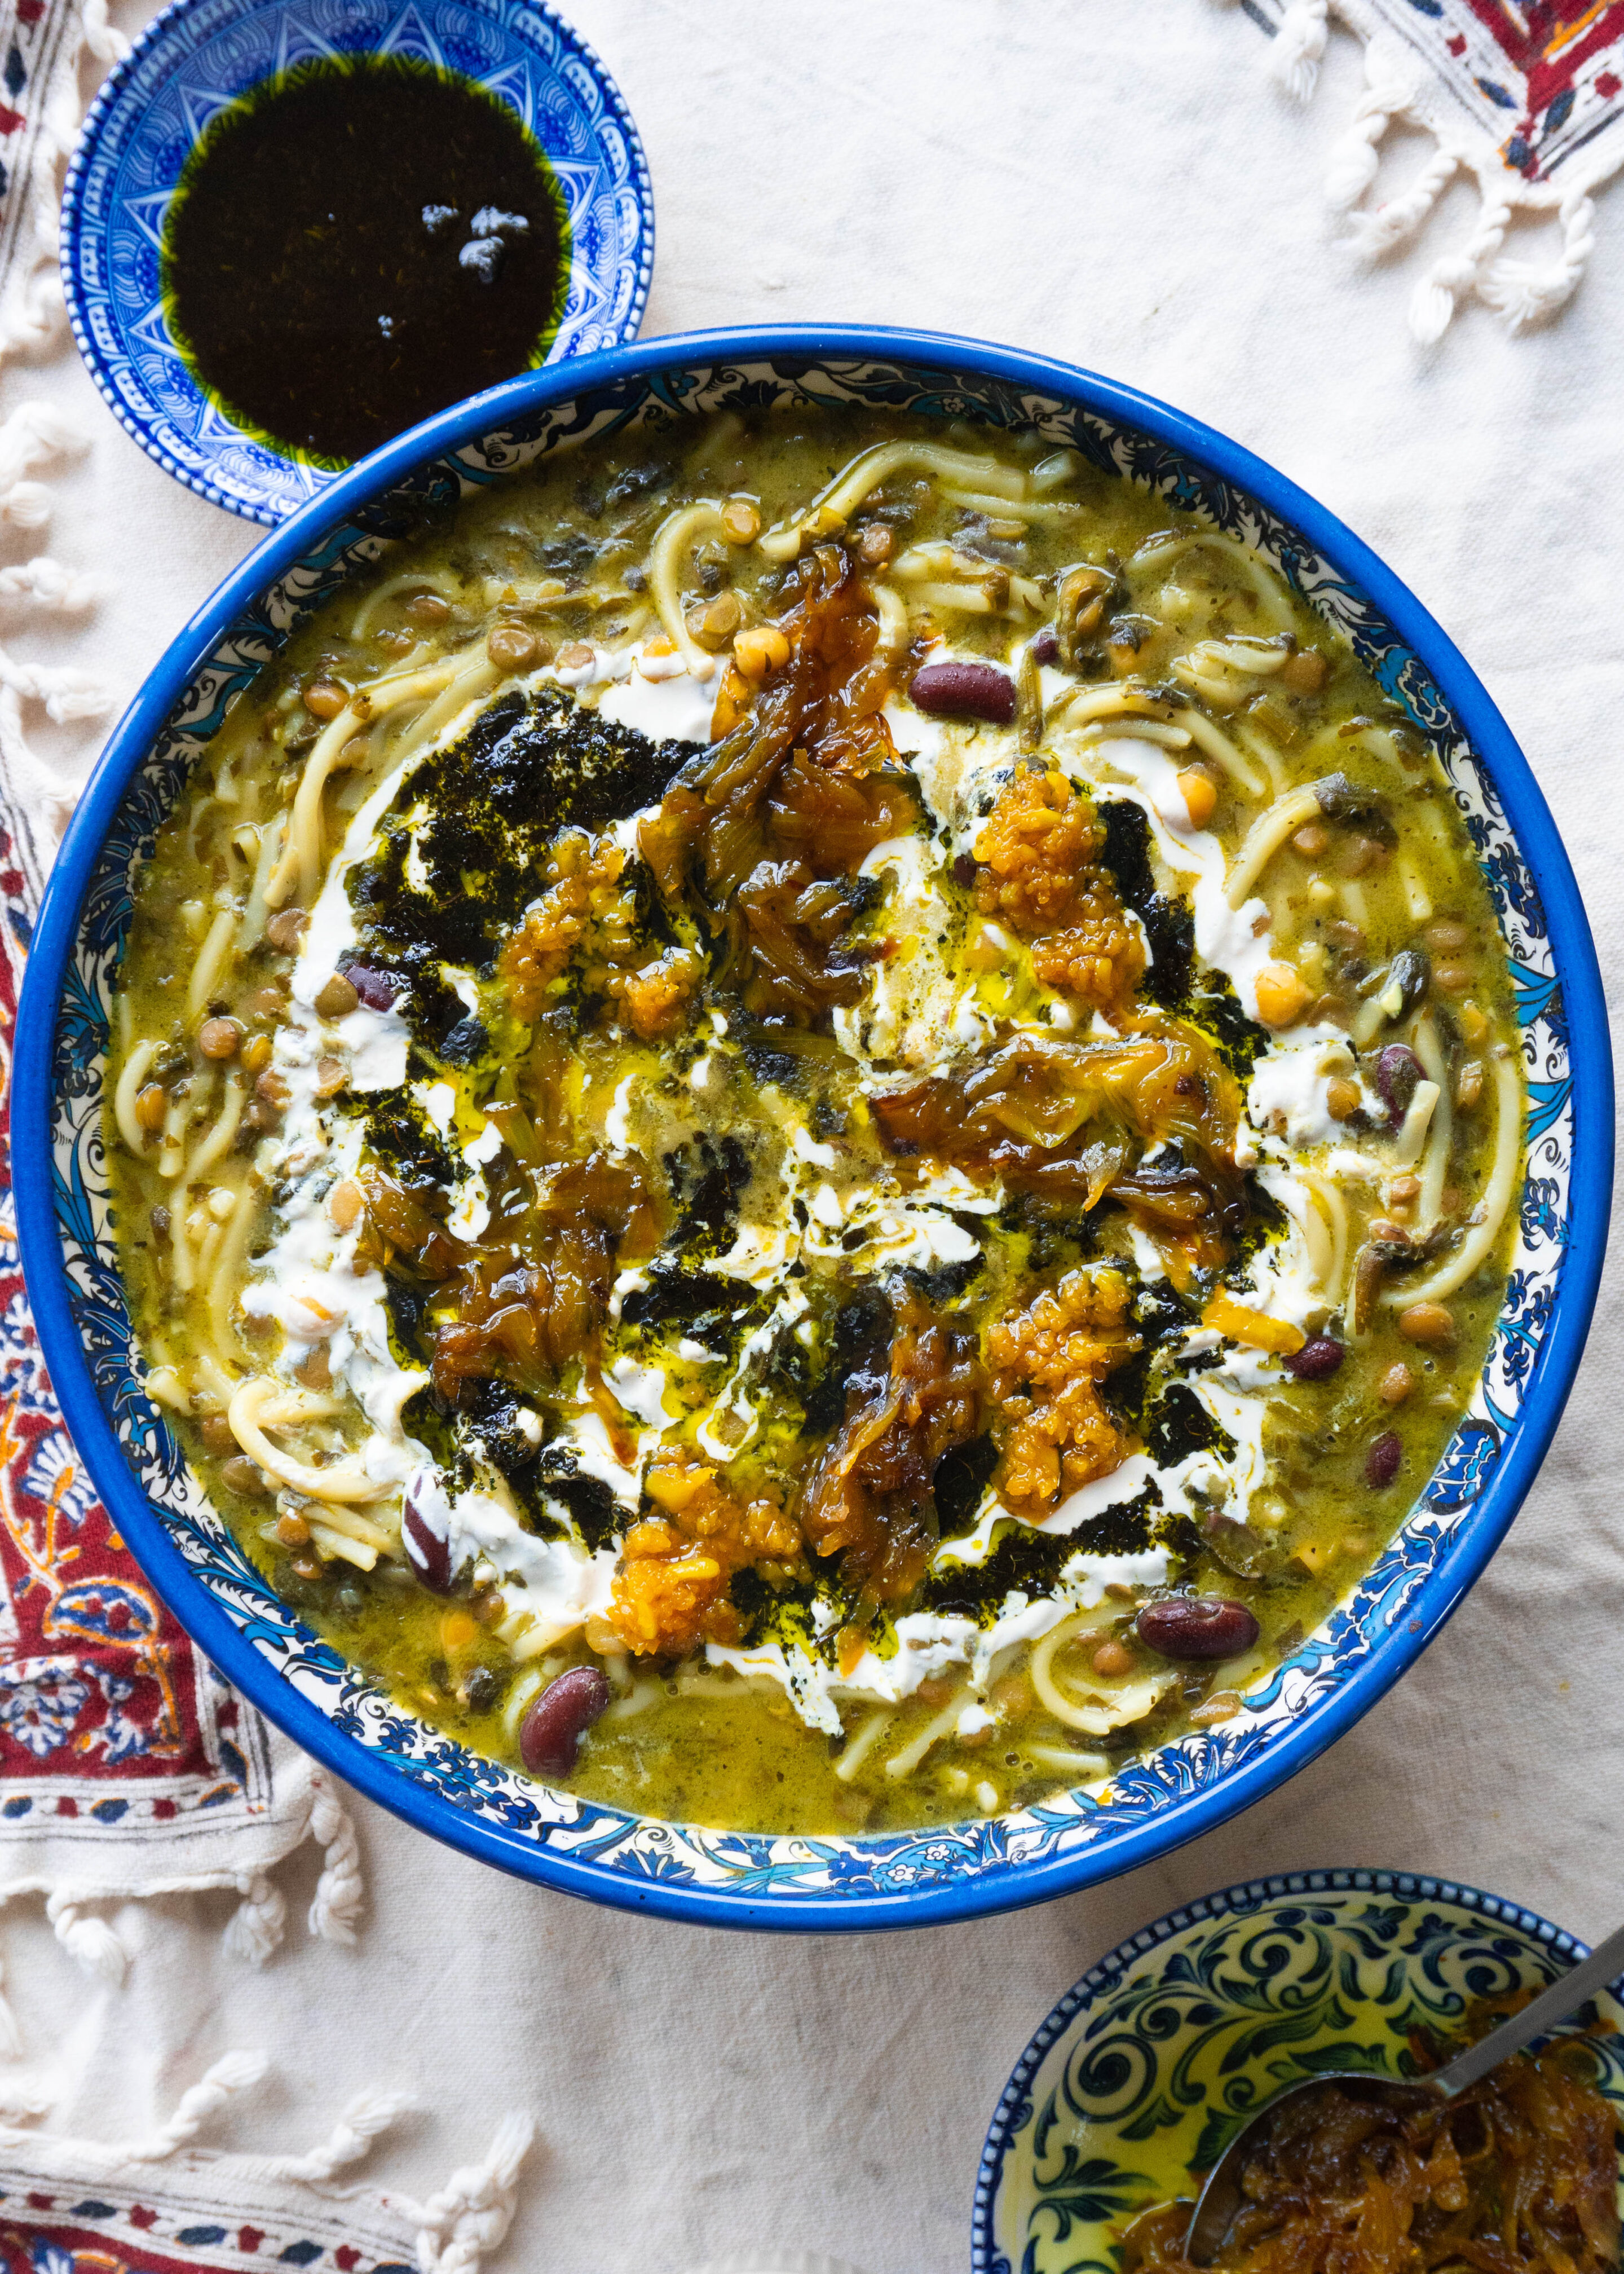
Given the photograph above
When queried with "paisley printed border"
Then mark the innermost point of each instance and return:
(198, 56)
(738, 1878)
(1188, 2027)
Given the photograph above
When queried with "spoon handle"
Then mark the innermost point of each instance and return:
(1604, 1965)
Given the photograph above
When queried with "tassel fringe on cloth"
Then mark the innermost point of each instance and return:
(1526, 102)
(131, 2200)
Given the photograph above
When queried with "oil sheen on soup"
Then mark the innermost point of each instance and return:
(833, 1138)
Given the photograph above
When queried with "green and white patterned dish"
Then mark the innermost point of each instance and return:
(1148, 2070)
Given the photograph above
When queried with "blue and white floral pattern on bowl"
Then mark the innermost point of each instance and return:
(349, 1722)
(1148, 2068)
(199, 56)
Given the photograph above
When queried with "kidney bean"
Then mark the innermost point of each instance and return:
(1383, 1460)
(964, 869)
(553, 1726)
(1197, 1626)
(379, 990)
(1317, 1360)
(1046, 647)
(428, 1554)
(1398, 1070)
(964, 690)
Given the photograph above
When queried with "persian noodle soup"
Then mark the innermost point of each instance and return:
(833, 1138)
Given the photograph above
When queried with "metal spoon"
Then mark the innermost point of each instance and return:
(1221, 2198)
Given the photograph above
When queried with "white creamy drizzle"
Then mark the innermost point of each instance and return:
(660, 697)
(555, 1584)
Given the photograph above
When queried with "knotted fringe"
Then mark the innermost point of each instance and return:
(38, 311)
(1522, 291)
(474, 2209)
(1299, 46)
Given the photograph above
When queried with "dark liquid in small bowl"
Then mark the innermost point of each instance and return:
(358, 243)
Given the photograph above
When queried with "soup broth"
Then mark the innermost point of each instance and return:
(834, 1137)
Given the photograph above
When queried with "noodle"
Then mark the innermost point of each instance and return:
(1131, 1703)
(334, 1484)
(834, 506)
(861, 1746)
(130, 1082)
(1269, 833)
(1479, 1243)
(211, 962)
(674, 539)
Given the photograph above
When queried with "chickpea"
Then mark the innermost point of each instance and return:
(760, 651)
(286, 928)
(512, 647)
(325, 698)
(740, 522)
(1431, 1324)
(1343, 1099)
(345, 1204)
(1282, 996)
(337, 998)
(151, 1104)
(1199, 793)
(1395, 1384)
(257, 1053)
(219, 1038)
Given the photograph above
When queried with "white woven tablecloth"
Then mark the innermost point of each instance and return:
(1117, 185)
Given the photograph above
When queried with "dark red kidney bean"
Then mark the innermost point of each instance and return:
(1383, 1460)
(379, 990)
(428, 1554)
(1398, 1070)
(1317, 1360)
(1046, 647)
(964, 690)
(553, 1726)
(1197, 1626)
(964, 869)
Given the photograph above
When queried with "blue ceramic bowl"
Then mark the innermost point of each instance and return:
(200, 55)
(1149, 2068)
(684, 1871)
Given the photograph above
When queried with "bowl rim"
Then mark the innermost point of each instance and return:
(1005, 1886)
(1410, 1887)
(73, 223)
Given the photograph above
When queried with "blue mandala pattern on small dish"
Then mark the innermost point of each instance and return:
(1148, 2068)
(199, 56)
(735, 1874)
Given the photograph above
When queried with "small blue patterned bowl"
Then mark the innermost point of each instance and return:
(200, 55)
(1151, 2065)
(680, 1869)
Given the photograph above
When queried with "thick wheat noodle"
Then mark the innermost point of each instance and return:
(1152, 557)
(1083, 704)
(125, 1095)
(1016, 509)
(966, 599)
(334, 1542)
(340, 1483)
(1418, 900)
(413, 580)
(1258, 661)
(228, 1269)
(836, 502)
(1435, 1161)
(905, 1763)
(1269, 833)
(273, 839)
(1214, 743)
(1131, 1703)
(472, 680)
(222, 1137)
(353, 1525)
(1418, 1120)
(1334, 1209)
(672, 540)
(301, 858)
(861, 1746)
(211, 962)
(1498, 1195)
(1299, 1206)
(1258, 746)
(1084, 1766)
(892, 612)
(1134, 730)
